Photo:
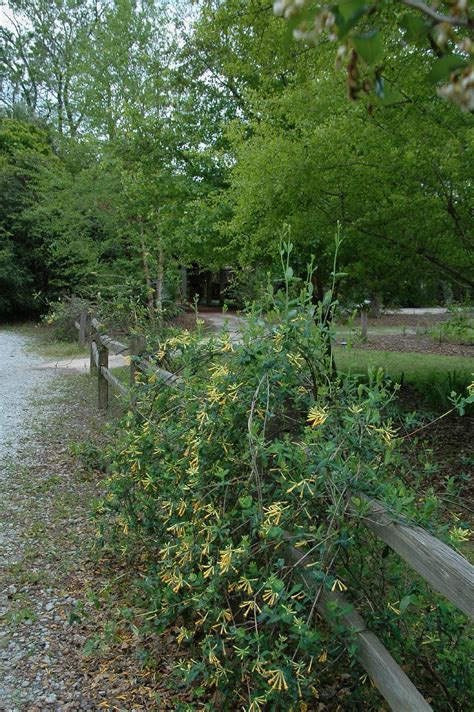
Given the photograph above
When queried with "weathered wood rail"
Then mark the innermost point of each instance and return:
(446, 571)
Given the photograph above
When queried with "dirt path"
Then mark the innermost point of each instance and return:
(217, 321)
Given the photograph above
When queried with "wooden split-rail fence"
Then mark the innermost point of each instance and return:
(446, 571)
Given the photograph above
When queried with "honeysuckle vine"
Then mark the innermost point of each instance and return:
(210, 482)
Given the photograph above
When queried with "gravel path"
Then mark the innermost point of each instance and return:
(58, 600)
(21, 373)
(40, 502)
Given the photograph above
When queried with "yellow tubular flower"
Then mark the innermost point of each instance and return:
(245, 584)
(270, 597)
(338, 584)
(277, 680)
(316, 416)
(250, 607)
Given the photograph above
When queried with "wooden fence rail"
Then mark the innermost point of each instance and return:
(444, 569)
(387, 675)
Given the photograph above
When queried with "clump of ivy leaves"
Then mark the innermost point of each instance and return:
(260, 444)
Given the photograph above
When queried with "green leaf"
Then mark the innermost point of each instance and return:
(350, 9)
(404, 603)
(444, 66)
(275, 533)
(413, 27)
(347, 15)
(369, 46)
(246, 502)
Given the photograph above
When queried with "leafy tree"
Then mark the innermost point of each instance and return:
(25, 150)
(445, 29)
(44, 52)
(399, 179)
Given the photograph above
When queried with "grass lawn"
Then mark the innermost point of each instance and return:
(433, 378)
(395, 363)
(44, 343)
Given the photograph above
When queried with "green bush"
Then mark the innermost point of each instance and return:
(258, 445)
(62, 316)
(459, 328)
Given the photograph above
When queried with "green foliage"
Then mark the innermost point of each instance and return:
(431, 377)
(304, 164)
(445, 31)
(62, 316)
(259, 445)
(25, 151)
(190, 142)
(459, 328)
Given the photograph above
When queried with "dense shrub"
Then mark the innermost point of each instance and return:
(260, 444)
(63, 314)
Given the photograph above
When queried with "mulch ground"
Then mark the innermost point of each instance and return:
(413, 343)
(415, 321)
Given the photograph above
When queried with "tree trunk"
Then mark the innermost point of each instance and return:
(146, 272)
(159, 283)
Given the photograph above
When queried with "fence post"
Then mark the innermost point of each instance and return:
(137, 348)
(82, 327)
(103, 384)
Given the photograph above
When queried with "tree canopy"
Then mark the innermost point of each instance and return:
(139, 136)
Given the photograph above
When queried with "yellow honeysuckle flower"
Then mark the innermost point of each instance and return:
(338, 584)
(227, 346)
(183, 635)
(245, 584)
(256, 704)
(302, 485)
(259, 666)
(213, 659)
(208, 571)
(225, 560)
(270, 597)
(274, 513)
(250, 607)
(459, 534)
(177, 583)
(387, 433)
(316, 416)
(295, 359)
(298, 596)
(277, 339)
(147, 482)
(277, 680)
(219, 370)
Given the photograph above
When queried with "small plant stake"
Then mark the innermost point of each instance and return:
(364, 311)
